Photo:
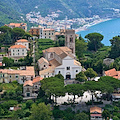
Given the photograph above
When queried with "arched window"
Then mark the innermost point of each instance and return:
(71, 39)
(51, 55)
(59, 72)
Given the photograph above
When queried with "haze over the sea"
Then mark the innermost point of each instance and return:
(108, 29)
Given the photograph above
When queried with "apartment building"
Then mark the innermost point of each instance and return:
(42, 32)
(17, 51)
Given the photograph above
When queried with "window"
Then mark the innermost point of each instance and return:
(18, 50)
(52, 33)
(22, 53)
(45, 33)
(18, 53)
(3, 75)
(13, 50)
(68, 68)
(59, 72)
(10, 76)
(16, 76)
(71, 39)
(44, 65)
(13, 54)
(22, 49)
(49, 37)
(49, 33)
(76, 70)
(51, 55)
(44, 76)
(45, 37)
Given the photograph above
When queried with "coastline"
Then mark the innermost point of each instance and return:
(85, 27)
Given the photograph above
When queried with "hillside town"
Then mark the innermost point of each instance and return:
(50, 21)
(58, 73)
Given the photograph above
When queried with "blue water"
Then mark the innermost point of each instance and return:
(108, 29)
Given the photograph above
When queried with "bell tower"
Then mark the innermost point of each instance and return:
(70, 40)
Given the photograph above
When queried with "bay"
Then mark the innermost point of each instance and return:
(108, 29)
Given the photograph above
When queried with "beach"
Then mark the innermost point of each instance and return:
(86, 26)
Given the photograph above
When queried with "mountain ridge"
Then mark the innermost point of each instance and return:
(71, 8)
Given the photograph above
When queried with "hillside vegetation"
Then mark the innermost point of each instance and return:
(72, 8)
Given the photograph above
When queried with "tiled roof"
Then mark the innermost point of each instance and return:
(37, 79)
(96, 115)
(42, 60)
(58, 50)
(17, 24)
(48, 30)
(111, 72)
(50, 69)
(77, 63)
(57, 33)
(54, 63)
(22, 40)
(17, 46)
(95, 109)
(28, 72)
(29, 82)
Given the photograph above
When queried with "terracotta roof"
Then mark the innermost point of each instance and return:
(50, 69)
(22, 40)
(28, 72)
(95, 109)
(42, 60)
(17, 24)
(54, 63)
(111, 72)
(63, 55)
(48, 30)
(57, 33)
(95, 115)
(37, 79)
(58, 50)
(17, 46)
(29, 82)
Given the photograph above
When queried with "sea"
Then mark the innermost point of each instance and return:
(108, 29)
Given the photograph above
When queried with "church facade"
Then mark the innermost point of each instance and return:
(60, 60)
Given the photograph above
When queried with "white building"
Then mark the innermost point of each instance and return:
(69, 68)
(17, 51)
(59, 60)
(23, 42)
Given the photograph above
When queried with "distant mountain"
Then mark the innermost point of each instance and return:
(70, 8)
(12, 9)
(8, 13)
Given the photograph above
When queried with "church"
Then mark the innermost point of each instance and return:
(60, 60)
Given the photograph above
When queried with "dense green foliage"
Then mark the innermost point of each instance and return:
(81, 77)
(94, 41)
(9, 36)
(40, 112)
(80, 46)
(81, 116)
(115, 47)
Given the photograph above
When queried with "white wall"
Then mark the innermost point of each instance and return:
(18, 52)
(68, 62)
